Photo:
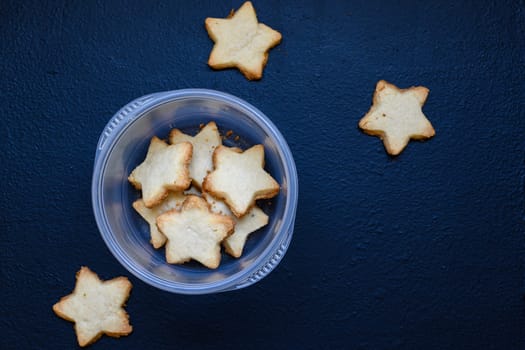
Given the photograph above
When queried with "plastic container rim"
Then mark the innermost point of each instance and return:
(124, 119)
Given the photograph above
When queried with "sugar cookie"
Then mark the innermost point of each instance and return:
(96, 307)
(396, 116)
(241, 42)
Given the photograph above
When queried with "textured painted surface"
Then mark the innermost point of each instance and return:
(422, 251)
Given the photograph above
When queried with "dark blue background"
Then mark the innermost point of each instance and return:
(422, 251)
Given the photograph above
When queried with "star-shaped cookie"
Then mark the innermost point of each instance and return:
(194, 233)
(166, 167)
(254, 219)
(96, 307)
(239, 178)
(396, 116)
(241, 42)
(204, 143)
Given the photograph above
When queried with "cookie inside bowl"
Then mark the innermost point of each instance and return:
(127, 234)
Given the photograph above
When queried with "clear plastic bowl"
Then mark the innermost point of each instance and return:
(123, 145)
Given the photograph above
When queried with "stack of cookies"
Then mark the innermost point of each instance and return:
(219, 209)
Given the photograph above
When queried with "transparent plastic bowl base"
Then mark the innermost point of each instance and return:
(123, 145)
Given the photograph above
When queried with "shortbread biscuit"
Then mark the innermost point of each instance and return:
(239, 178)
(166, 167)
(96, 307)
(204, 143)
(194, 233)
(241, 42)
(174, 200)
(396, 116)
(254, 219)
